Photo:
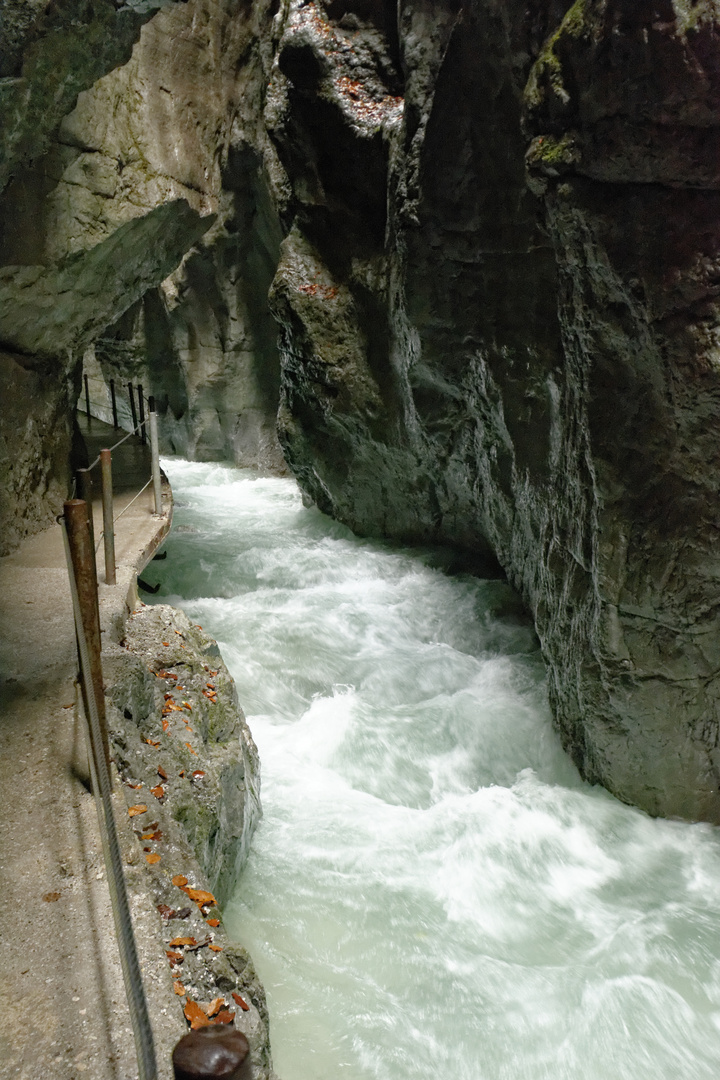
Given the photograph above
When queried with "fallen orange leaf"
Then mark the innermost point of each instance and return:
(158, 792)
(178, 988)
(215, 948)
(195, 1015)
(213, 922)
(243, 1004)
(214, 1006)
(153, 857)
(187, 705)
(165, 724)
(191, 749)
(179, 634)
(166, 642)
(198, 774)
(174, 957)
(152, 742)
(179, 880)
(209, 686)
(157, 835)
(182, 772)
(183, 941)
(134, 786)
(161, 772)
(225, 1017)
(166, 674)
(139, 809)
(200, 896)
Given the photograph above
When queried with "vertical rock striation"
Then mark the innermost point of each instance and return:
(533, 378)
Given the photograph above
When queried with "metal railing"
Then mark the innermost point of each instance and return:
(209, 1053)
(83, 477)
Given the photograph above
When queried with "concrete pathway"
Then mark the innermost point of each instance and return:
(63, 1012)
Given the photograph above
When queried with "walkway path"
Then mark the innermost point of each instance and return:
(63, 1013)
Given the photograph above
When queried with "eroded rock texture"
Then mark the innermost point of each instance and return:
(533, 378)
(487, 229)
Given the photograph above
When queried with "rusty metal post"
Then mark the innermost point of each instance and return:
(132, 405)
(114, 404)
(141, 403)
(212, 1053)
(155, 458)
(108, 526)
(82, 555)
(85, 492)
(87, 397)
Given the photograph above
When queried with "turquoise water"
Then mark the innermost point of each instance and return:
(433, 892)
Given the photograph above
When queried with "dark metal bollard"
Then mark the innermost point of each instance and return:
(114, 404)
(132, 404)
(108, 526)
(212, 1053)
(83, 478)
(82, 555)
(87, 397)
(141, 403)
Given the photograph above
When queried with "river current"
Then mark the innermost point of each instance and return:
(433, 893)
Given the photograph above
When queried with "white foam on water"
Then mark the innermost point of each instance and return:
(432, 891)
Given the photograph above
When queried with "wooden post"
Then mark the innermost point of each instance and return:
(212, 1053)
(114, 404)
(132, 405)
(82, 555)
(108, 525)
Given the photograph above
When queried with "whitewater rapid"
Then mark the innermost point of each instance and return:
(433, 893)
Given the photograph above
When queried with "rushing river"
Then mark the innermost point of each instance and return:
(433, 893)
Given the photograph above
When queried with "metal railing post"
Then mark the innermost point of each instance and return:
(155, 457)
(141, 403)
(132, 405)
(108, 527)
(85, 492)
(82, 555)
(87, 397)
(114, 404)
(212, 1053)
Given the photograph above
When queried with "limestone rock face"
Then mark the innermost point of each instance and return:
(183, 119)
(538, 379)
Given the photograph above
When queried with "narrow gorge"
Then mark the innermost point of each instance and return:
(453, 265)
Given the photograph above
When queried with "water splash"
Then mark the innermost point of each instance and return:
(433, 891)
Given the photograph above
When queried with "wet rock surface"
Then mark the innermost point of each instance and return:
(191, 781)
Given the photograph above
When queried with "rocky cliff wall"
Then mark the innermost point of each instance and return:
(487, 232)
(532, 377)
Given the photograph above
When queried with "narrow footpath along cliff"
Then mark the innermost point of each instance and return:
(453, 262)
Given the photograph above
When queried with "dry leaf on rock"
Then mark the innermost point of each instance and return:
(179, 880)
(152, 858)
(215, 948)
(200, 896)
(183, 941)
(195, 1015)
(213, 922)
(158, 792)
(225, 1017)
(162, 773)
(178, 988)
(239, 1001)
(141, 808)
(214, 1006)
(51, 897)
